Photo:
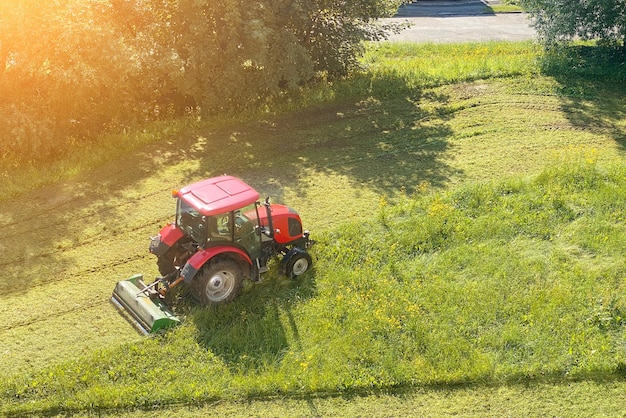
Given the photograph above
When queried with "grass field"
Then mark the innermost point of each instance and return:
(469, 206)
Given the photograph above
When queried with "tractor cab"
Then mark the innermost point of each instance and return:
(226, 209)
(239, 227)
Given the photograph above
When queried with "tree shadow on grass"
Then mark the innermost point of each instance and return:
(385, 140)
(592, 87)
(258, 328)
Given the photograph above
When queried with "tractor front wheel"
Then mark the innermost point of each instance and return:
(298, 264)
(220, 281)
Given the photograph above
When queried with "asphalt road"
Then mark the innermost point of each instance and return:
(459, 21)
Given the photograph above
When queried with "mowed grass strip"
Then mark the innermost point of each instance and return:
(588, 398)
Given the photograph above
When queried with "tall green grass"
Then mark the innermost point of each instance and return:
(515, 280)
(427, 65)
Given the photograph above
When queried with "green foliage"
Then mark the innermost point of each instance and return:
(64, 75)
(564, 20)
(71, 70)
(594, 63)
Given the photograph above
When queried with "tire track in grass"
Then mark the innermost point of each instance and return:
(70, 294)
(81, 255)
(45, 211)
(74, 273)
(30, 252)
(88, 263)
(45, 215)
(104, 266)
(80, 273)
(55, 314)
(63, 336)
(88, 241)
(67, 316)
(52, 297)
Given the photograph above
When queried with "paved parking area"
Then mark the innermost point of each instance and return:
(460, 21)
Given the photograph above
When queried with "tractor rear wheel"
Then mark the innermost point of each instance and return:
(298, 264)
(219, 281)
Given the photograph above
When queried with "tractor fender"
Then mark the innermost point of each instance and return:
(168, 236)
(198, 260)
(288, 256)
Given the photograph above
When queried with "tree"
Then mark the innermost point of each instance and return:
(563, 20)
(224, 54)
(66, 75)
(72, 69)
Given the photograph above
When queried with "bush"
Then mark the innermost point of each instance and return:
(73, 69)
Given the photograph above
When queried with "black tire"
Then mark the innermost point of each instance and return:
(219, 281)
(165, 263)
(168, 262)
(298, 264)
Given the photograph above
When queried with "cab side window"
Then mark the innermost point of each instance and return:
(220, 227)
(223, 224)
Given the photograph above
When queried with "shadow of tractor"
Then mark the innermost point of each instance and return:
(258, 328)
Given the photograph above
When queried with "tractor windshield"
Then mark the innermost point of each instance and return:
(190, 222)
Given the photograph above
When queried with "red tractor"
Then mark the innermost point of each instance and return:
(221, 235)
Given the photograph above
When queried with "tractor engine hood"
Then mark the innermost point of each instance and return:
(286, 222)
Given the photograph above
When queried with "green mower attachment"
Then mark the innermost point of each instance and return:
(142, 306)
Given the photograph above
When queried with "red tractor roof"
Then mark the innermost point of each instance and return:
(218, 195)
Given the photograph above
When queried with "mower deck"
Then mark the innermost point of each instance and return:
(146, 314)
